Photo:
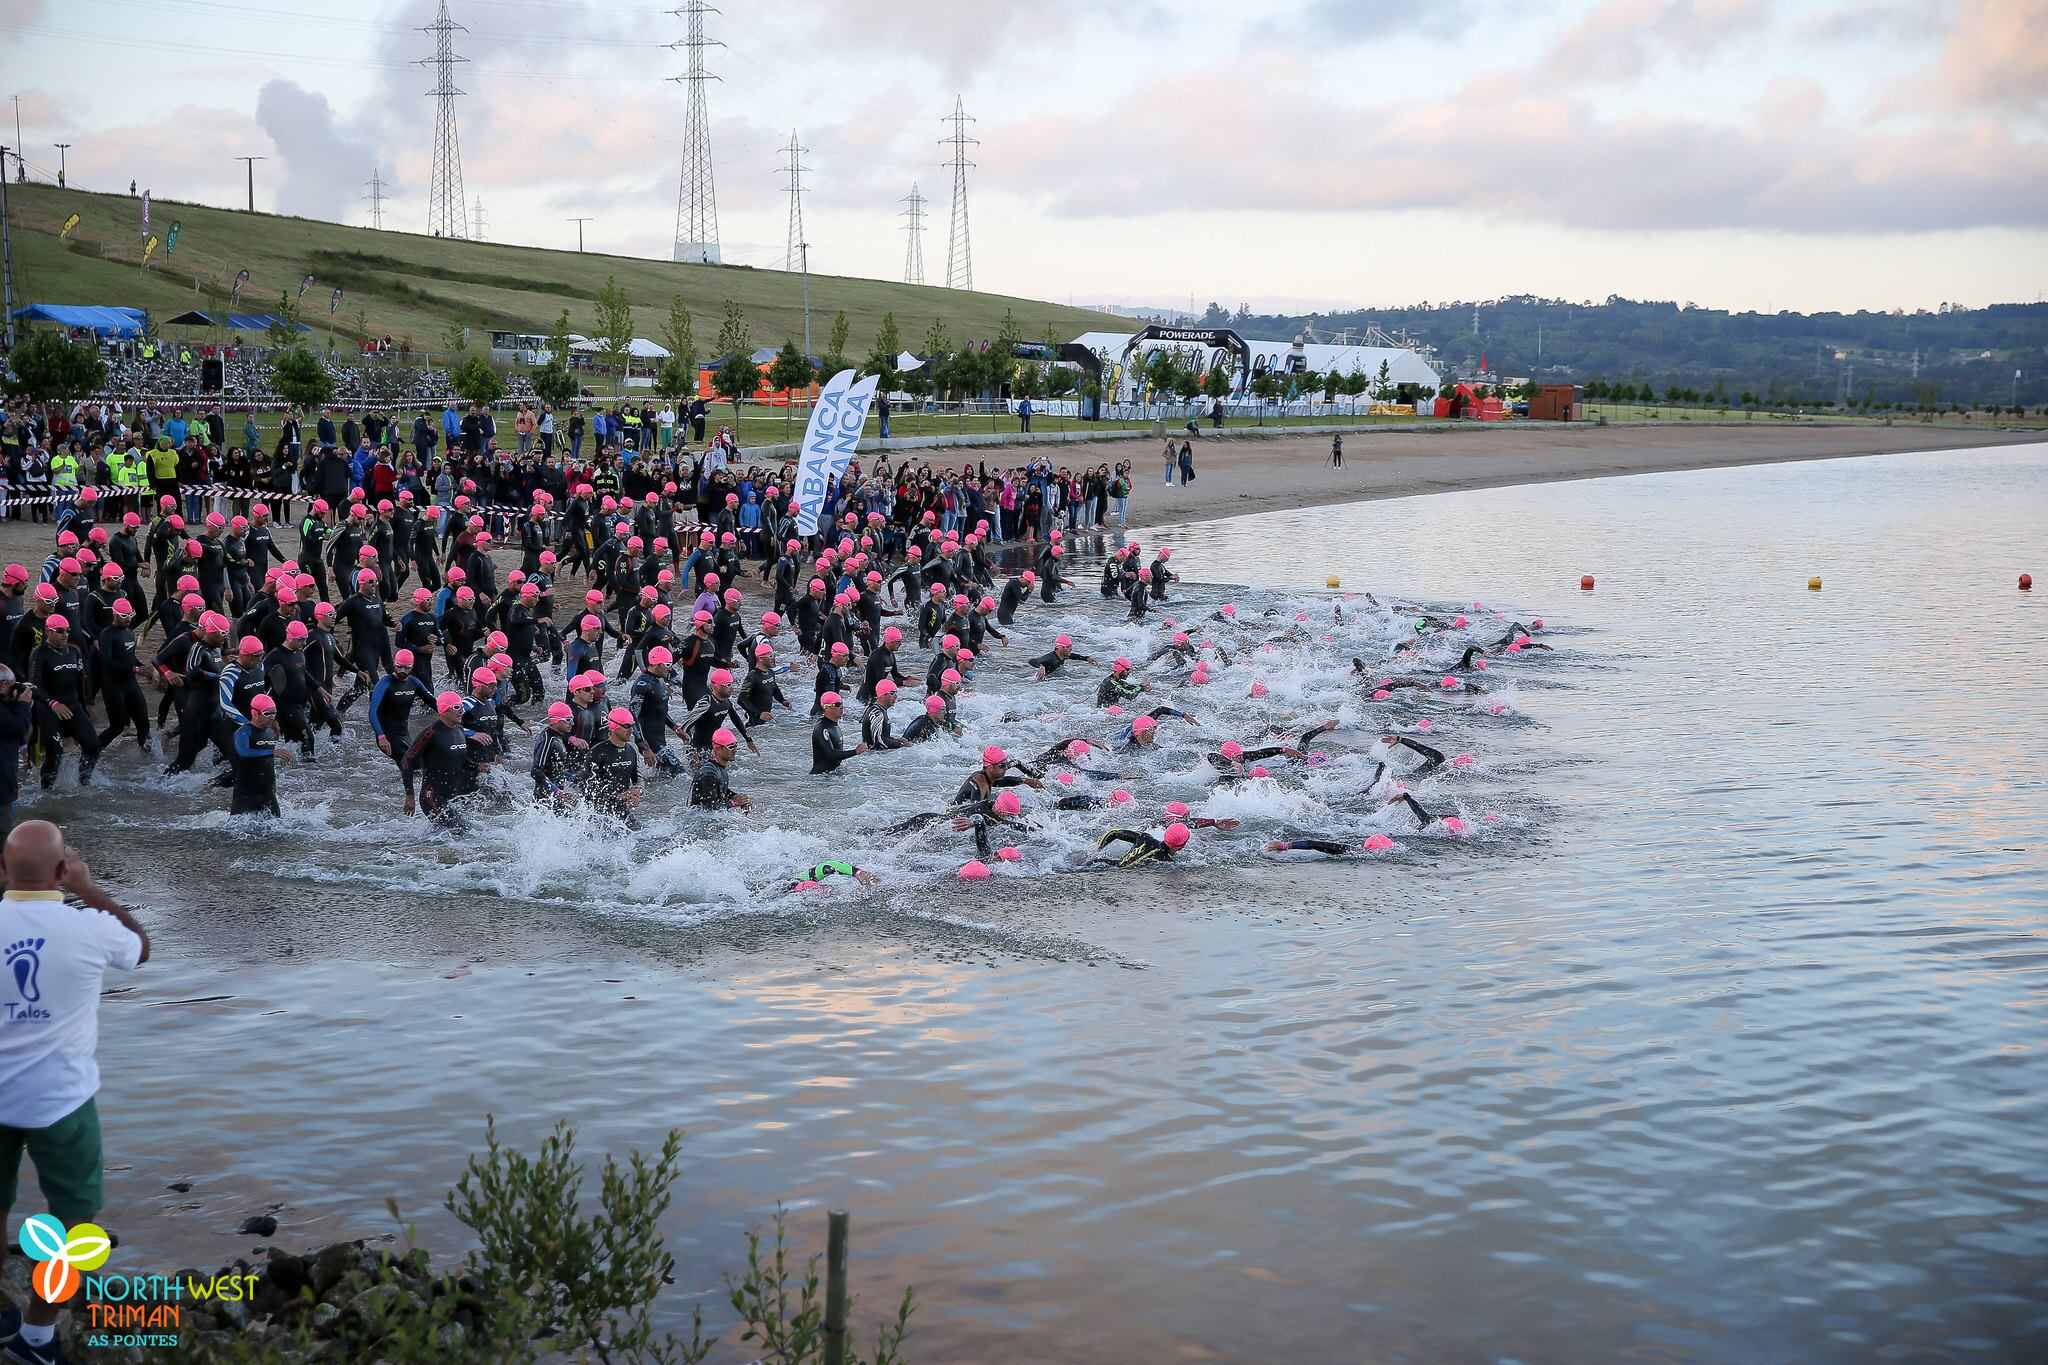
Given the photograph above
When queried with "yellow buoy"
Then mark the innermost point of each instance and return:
(1813, 585)
(1332, 582)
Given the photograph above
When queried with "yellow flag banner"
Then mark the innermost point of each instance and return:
(148, 250)
(69, 223)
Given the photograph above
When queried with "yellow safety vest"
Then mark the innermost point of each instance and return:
(165, 462)
(64, 471)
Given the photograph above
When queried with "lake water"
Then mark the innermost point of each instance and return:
(1717, 1036)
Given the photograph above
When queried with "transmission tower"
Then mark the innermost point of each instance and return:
(444, 195)
(959, 251)
(477, 233)
(913, 254)
(793, 258)
(696, 197)
(376, 197)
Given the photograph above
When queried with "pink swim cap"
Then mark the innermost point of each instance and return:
(840, 647)
(723, 737)
(1459, 624)
(1077, 750)
(1066, 640)
(1066, 779)
(1374, 843)
(1176, 836)
(1479, 664)
(974, 871)
(619, 718)
(721, 677)
(1176, 810)
(769, 618)
(560, 710)
(483, 677)
(951, 675)
(1200, 677)
(1008, 803)
(1232, 749)
(993, 754)
(1008, 854)
(1119, 797)
(1259, 771)
(1180, 637)
(1381, 695)
(1425, 725)
(934, 704)
(1144, 725)
(1450, 683)
(296, 630)
(885, 688)
(1258, 689)
(1229, 610)
(448, 701)
(1454, 824)
(1462, 761)
(1536, 624)
(1120, 666)
(262, 703)
(829, 699)
(660, 655)
(1113, 709)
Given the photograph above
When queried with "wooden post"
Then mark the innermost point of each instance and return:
(835, 1287)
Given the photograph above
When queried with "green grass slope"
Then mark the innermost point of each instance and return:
(406, 285)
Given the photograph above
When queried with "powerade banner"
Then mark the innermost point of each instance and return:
(171, 239)
(241, 278)
(304, 285)
(69, 223)
(829, 442)
(148, 250)
(334, 302)
(145, 213)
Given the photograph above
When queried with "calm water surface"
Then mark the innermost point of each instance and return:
(1722, 1039)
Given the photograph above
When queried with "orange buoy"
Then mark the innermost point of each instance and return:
(2026, 582)
(1813, 585)
(1585, 582)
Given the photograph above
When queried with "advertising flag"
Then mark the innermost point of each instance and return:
(148, 250)
(171, 238)
(334, 303)
(829, 442)
(235, 294)
(304, 285)
(145, 213)
(69, 223)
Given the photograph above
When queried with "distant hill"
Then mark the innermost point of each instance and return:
(406, 285)
(1966, 355)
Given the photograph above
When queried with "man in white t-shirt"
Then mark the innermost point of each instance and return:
(668, 425)
(56, 955)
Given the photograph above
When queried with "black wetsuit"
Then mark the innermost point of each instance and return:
(438, 760)
(1144, 848)
(255, 764)
(827, 750)
(711, 787)
(56, 675)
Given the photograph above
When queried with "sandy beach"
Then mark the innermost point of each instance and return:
(1267, 474)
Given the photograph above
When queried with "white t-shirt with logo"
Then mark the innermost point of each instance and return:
(53, 957)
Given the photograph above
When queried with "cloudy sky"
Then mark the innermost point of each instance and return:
(1742, 153)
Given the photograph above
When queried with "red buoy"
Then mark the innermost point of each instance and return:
(1585, 582)
(2026, 582)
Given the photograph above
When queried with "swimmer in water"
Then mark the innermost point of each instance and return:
(1050, 663)
(1142, 848)
(1119, 686)
(818, 873)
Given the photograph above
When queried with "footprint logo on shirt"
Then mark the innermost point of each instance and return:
(25, 960)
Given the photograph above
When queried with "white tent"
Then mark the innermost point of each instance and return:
(640, 349)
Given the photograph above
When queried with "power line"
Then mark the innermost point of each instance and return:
(444, 195)
(376, 197)
(913, 254)
(793, 256)
(696, 192)
(477, 234)
(579, 222)
(959, 250)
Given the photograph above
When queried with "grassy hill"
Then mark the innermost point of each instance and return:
(405, 285)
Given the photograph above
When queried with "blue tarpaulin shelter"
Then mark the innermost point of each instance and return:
(239, 322)
(115, 322)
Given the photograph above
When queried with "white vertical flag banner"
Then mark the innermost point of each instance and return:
(829, 442)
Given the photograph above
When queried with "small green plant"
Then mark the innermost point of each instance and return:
(475, 380)
(785, 1323)
(552, 381)
(48, 366)
(301, 379)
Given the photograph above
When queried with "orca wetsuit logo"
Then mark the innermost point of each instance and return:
(60, 1254)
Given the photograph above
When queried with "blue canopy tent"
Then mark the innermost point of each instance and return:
(237, 322)
(114, 322)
